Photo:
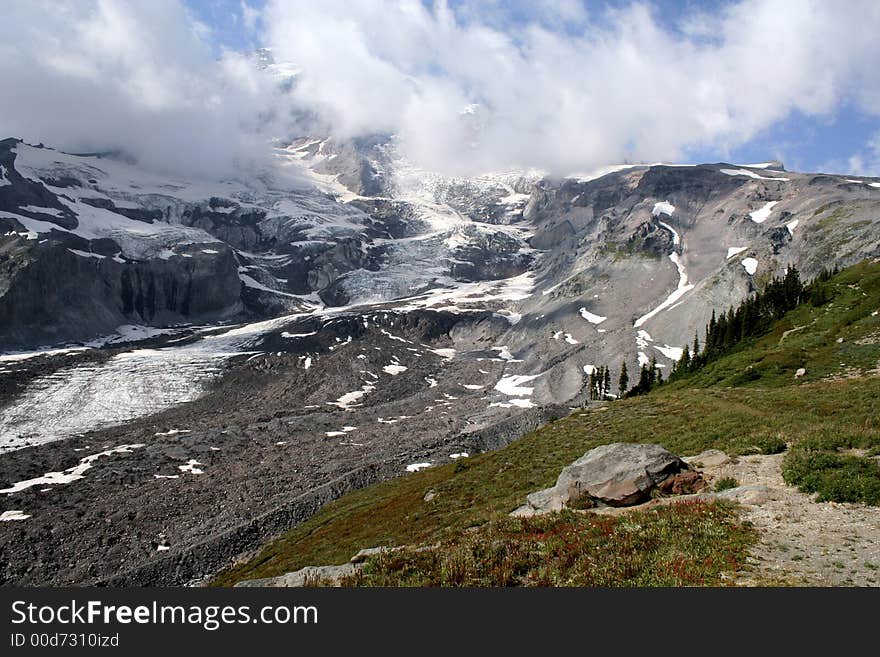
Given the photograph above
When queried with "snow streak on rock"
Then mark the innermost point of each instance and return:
(71, 474)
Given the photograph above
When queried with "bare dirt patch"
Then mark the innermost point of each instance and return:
(802, 542)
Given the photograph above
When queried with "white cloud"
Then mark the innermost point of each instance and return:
(611, 87)
(865, 162)
(564, 90)
(101, 74)
(249, 16)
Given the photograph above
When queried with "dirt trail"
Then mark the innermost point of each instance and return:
(802, 542)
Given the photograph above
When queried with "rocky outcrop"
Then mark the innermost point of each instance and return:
(619, 474)
(54, 292)
(308, 576)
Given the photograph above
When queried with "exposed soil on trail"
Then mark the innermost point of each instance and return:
(802, 542)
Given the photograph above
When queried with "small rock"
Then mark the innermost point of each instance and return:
(430, 495)
(711, 458)
(366, 553)
(752, 494)
(800, 372)
(687, 482)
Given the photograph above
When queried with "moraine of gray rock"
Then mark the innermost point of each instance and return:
(619, 474)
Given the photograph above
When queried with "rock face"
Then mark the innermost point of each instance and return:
(326, 575)
(308, 576)
(619, 474)
(55, 293)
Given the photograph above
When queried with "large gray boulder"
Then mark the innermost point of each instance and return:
(619, 474)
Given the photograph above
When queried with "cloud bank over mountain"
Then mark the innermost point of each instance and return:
(467, 87)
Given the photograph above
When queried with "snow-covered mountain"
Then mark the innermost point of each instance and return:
(349, 311)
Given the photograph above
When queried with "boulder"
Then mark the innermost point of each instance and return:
(619, 474)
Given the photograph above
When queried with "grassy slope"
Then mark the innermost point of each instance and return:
(766, 406)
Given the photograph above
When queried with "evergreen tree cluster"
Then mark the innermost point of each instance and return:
(752, 318)
(650, 376)
(599, 383)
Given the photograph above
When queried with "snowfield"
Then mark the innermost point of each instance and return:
(130, 385)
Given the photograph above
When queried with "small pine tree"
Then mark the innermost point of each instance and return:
(606, 382)
(644, 383)
(623, 381)
(684, 363)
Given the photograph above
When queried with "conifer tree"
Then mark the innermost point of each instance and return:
(684, 363)
(623, 381)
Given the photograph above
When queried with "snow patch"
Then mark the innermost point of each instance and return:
(8, 516)
(511, 403)
(345, 430)
(504, 354)
(71, 474)
(394, 369)
(735, 250)
(415, 467)
(791, 225)
(349, 398)
(663, 207)
(672, 353)
(750, 265)
(590, 317)
(750, 174)
(190, 466)
(512, 385)
(683, 288)
(676, 238)
(761, 215)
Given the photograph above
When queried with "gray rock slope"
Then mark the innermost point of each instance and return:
(361, 321)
